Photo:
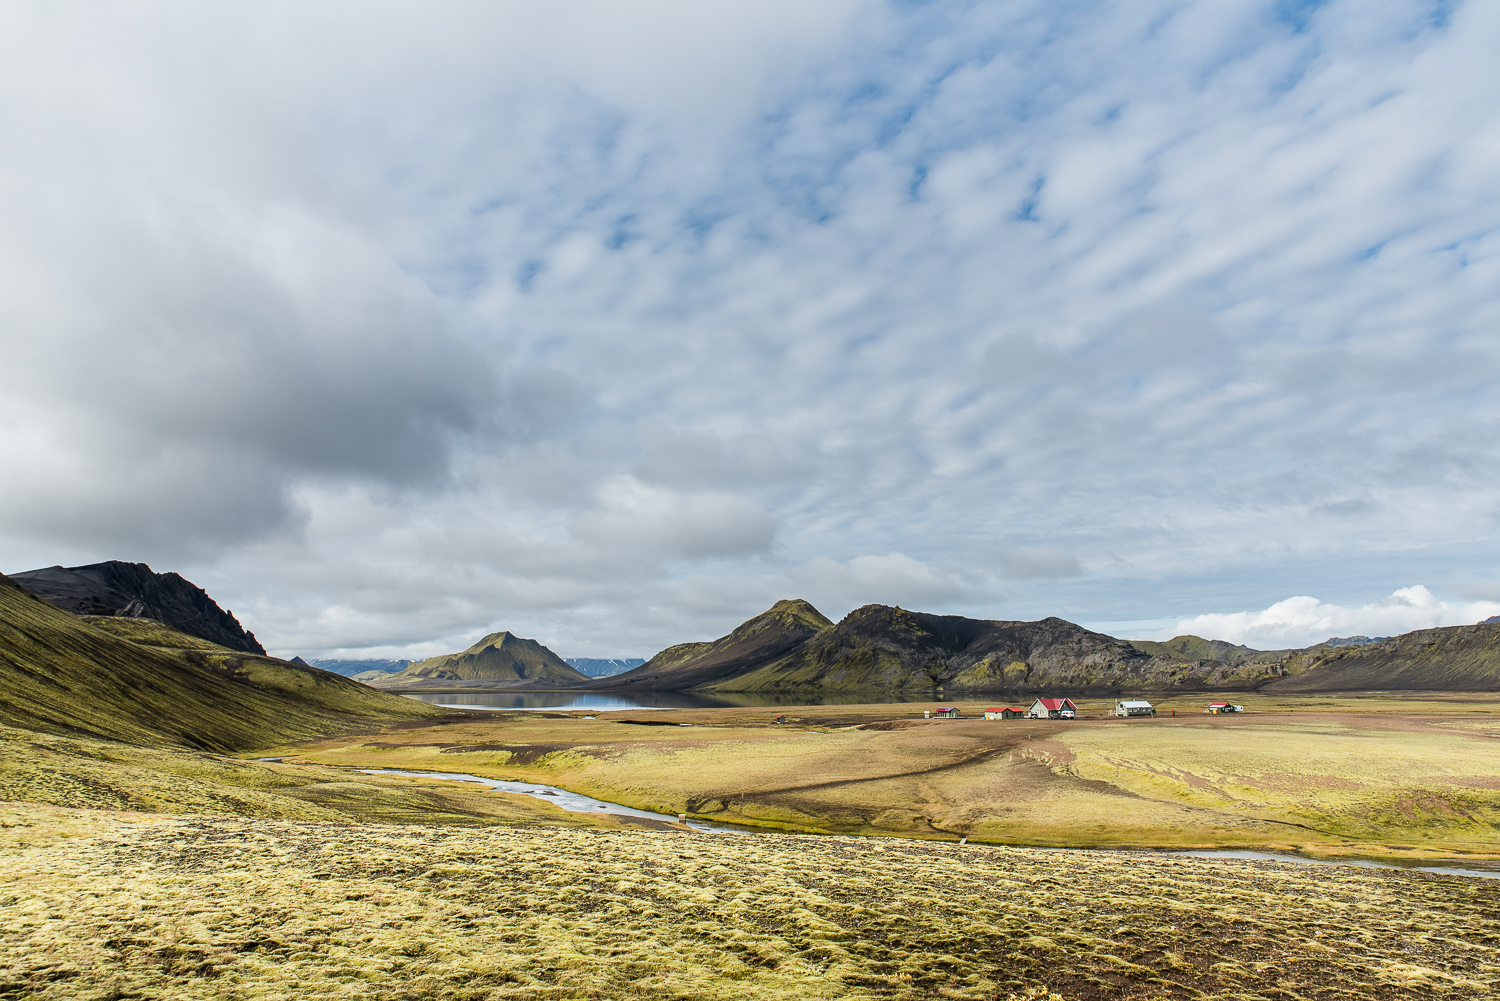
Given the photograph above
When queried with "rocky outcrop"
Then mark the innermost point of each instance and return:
(497, 657)
(134, 590)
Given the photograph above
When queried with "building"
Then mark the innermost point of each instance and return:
(946, 712)
(1012, 712)
(1223, 707)
(1134, 707)
(1052, 709)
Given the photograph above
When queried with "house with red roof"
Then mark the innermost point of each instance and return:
(1010, 712)
(1052, 709)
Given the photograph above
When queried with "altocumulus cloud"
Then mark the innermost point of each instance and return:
(611, 324)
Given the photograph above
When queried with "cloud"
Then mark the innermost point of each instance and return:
(1304, 620)
(605, 324)
(666, 523)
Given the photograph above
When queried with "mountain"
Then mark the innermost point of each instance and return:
(143, 682)
(780, 630)
(879, 648)
(886, 648)
(497, 657)
(604, 668)
(1451, 658)
(133, 590)
(1194, 648)
(355, 668)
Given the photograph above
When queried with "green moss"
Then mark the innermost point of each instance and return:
(63, 674)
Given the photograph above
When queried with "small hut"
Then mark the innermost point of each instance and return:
(1010, 712)
(946, 712)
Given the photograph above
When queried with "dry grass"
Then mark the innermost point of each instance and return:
(117, 906)
(1394, 777)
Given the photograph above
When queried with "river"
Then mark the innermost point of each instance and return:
(575, 802)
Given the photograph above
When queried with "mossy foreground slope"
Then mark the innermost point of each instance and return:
(140, 682)
(231, 908)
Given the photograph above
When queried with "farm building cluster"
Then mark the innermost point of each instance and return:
(1067, 709)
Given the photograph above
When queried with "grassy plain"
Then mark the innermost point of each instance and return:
(116, 905)
(1394, 777)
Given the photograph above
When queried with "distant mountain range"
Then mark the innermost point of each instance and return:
(792, 647)
(134, 590)
(604, 668)
(356, 668)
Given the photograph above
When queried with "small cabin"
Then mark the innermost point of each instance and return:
(945, 712)
(1010, 712)
(1134, 707)
(1223, 707)
(1052, 709)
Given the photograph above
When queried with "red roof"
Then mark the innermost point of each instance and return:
(1215, 705)
(1055, 704)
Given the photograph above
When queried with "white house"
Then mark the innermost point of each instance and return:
(1134, 707)
(1052, 709)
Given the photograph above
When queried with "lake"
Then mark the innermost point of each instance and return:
(601, 702)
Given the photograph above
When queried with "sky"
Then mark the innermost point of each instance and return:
(611, 324)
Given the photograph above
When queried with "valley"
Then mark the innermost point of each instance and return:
(183, 819)
(1380, 776)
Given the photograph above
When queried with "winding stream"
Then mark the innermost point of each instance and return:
(575, 802)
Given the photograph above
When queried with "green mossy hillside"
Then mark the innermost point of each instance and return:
(143, 683)
(1451, 659)
(781, 629)
(498, 657)
(1195, 648)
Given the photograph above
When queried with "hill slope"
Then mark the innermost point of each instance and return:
(497, 657)
(141, 682)
(134, 590)
(1451, 658)
(783, 628)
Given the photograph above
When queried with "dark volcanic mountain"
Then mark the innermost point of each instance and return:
(793, 648)
(133, 590)
(783, 628)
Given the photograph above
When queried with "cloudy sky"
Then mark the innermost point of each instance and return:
(611, 323)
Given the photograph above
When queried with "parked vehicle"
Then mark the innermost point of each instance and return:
(1052, 709)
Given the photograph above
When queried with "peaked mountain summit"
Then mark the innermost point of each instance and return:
(498, 657)
(778, 631)
(135, 591)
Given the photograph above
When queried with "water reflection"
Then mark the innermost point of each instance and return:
(600, 702)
